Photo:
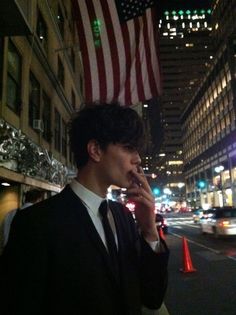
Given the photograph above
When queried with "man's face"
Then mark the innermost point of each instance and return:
(117, 163)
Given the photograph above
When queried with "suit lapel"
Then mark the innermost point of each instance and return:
(117, 225)
(120, 235)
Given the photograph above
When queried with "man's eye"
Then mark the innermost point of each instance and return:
(129, 147)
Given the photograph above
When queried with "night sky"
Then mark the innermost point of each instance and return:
(184, 4)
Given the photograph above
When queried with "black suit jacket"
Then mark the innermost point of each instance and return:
(55, 263)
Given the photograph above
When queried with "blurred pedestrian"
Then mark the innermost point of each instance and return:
(31, 197)
(79, 253)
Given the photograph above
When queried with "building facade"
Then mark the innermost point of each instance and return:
(209, 120)
(185, 56)
(40, 76)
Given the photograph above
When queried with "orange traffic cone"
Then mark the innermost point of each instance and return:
(187, 262)
(161, 234)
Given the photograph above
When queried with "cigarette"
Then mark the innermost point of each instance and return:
(149, 175)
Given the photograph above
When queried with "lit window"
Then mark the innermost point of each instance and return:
(224, 82)
(228, 76)
(42, 30)
(60, 21)
(175, 163)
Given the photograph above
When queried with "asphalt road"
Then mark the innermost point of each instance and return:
(211, 289)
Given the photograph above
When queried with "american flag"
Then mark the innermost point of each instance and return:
(119, 49)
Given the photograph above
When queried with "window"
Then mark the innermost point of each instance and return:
(72, 58)
(34, 100)
(222, 122)
(232, 118)
(46, 115)
(223, 82)
(71, 157)
(64, 139)
(57, 131)
(60, 72)
(42, 31)
(73, 99)
(13, 78)
(60, 21)
(81, 84)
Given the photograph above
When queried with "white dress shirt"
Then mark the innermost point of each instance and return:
(92, 203)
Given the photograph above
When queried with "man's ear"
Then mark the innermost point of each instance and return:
(94, 150)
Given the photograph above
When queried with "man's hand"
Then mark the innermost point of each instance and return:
(140, 192)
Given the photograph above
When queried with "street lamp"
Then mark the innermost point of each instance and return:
(180, 186)
(219, 169)
(167, 191)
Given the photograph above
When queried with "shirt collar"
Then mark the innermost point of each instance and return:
(89, 198)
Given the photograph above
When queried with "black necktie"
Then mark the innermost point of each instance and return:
(110, 239)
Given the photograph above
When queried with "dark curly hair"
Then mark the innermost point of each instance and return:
(105, 123)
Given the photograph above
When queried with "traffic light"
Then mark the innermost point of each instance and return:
(201, 184)
(156, 191)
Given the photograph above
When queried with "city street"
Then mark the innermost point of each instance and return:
(211, 290)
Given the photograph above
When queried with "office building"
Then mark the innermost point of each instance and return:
(40, 87)
(209, 120)
(185, 55)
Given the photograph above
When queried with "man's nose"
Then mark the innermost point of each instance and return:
(137, 159)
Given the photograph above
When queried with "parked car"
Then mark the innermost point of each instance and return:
(161, 222)
(197, 214)
(219, 221)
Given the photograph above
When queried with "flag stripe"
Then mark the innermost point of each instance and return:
(132, 27)
(144, 63)
(147, 39)
(156, 54)
(102, 84)
(128, 60)
(88, 55)
(114, 55)
(138, 56)
(120, 60)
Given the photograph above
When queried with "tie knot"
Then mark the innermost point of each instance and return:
(103, 208)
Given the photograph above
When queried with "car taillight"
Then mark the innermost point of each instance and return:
(130, 206)
(225, 223)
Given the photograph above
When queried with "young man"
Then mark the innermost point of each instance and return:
(66, 256)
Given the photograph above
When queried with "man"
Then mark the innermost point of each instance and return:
(61, 259)
(31, 197)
